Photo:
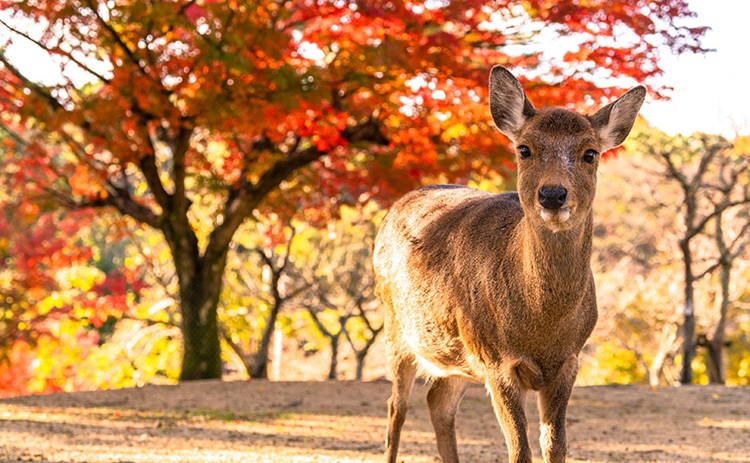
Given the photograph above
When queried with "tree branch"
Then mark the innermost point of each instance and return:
(318, 323)
(147, 164)
(240, 205)
(120, 199)
(705, 160)
(674, 171)
(720, 208)
(179, 149)
(58, 51)
(118, 40)
(33, 86)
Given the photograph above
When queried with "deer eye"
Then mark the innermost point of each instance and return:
(524, 152)
(589, 156)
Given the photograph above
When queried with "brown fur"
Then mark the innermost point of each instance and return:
(480, 287)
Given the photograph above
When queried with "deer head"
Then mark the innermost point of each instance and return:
(557, 150)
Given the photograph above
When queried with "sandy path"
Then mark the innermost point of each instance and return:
(259, 421)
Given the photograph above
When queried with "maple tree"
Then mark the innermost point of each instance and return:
(340, 299)
(189, 115)
(60, 293)
(259, 283)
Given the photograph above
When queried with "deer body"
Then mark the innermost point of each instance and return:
(497, 288)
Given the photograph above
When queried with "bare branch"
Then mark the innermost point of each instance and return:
(707, 271)
(288, 251)
(720, 208)
(318, 323)
(674, 171)
(705, 161)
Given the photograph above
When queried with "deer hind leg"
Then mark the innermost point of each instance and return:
(443, 399)
(404, 371)
(553, 404)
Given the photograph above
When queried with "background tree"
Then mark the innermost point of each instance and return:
(63, 289)
(693, 163)
(336, 264)
(186, 116)
(362, 340)
(274, 288)
(641, 254)
(731, 235)
(636, 277)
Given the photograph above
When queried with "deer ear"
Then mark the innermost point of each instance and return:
(614, 121)
(508, 103)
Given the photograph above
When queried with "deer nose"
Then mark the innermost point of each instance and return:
(552, 198)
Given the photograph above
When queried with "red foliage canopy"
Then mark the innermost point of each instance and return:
(389, 92)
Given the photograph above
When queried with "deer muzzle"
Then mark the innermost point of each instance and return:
(552, 198)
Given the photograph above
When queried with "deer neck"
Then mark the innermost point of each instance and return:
(556, 266)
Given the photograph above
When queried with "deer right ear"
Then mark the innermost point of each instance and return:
(508, 103)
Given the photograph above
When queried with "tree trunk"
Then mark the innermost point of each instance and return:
(200, 283)
(259, 369)
(714, 365)
(200, 331)
(332, 372)
(716, 344)
(688, 324)
(260, 363)
(362, 353)
(360, 364)
(688, 344)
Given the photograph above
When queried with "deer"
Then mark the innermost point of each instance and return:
(498, 288)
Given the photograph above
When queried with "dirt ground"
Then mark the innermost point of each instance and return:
(260, 421)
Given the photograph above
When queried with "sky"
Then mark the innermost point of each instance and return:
(712, 91)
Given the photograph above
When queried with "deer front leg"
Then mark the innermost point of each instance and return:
(508, 401)
(443, 399)
(553, 405)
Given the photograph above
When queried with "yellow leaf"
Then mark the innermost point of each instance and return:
(454, 131)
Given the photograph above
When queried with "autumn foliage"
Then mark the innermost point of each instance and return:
(190, 116)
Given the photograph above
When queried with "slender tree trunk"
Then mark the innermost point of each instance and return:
(360, 364)
(688, 324)
(334, 339)
(361, 354)
(715, 345)
(688, 344)
(259, 367)
(333, 370)
(714, 365)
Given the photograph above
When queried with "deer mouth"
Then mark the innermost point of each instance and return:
(556, 216)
